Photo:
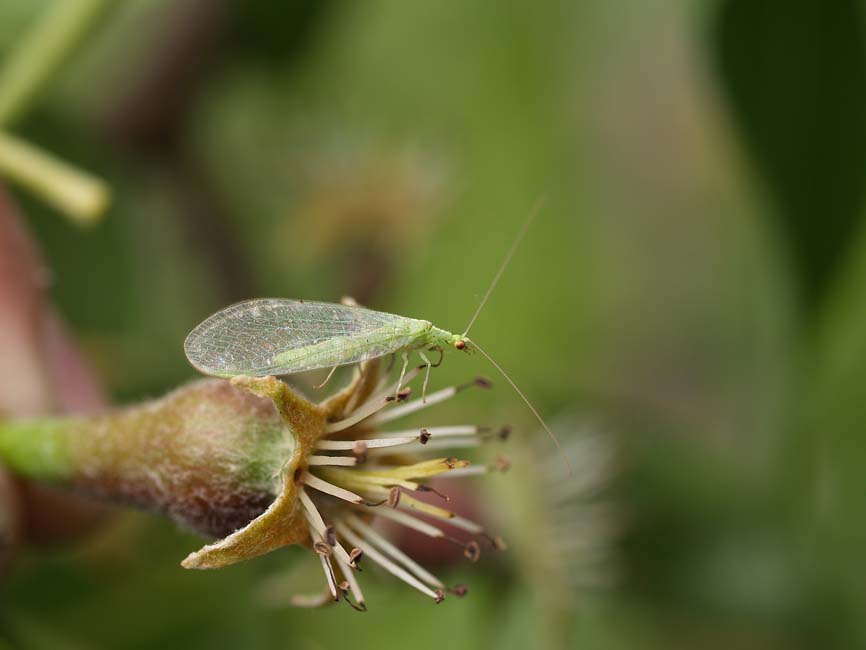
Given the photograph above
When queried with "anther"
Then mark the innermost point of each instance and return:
(504, 432)
(424, 436)
(394, 497)
(503, 464)
(440, 596)
(459, 590)
(359, 449)
(330, 536)
(322, 549)
(472, 551)
(355, 555)
(496, 542)
(480, 382)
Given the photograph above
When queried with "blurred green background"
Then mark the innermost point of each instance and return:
(694, 287)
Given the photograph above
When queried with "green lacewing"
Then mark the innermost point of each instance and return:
(274, 336)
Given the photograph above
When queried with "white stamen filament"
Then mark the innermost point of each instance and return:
(332, 460)
(376, 403)
(349, 575)
(329, 575)
(323, 486)
(416, 405)
(437, 432)
(384, 562)
(460, 472)
(448, 443)
(318, 524)
(409, 521)
(387, 547)
(348, 445)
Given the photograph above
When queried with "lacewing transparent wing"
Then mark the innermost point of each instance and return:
(279, 337)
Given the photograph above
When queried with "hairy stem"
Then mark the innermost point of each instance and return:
(208, 455)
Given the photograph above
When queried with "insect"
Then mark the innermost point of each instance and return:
(272, 336)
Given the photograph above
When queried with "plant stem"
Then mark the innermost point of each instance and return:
(69, 189)
(35, 448)
(41, 51)
(208, 455)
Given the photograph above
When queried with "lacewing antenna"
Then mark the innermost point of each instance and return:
(539, 203)
(529, 404)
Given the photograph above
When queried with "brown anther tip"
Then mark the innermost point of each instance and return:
(404, 393)
(424, 436)
(394, 497)
(344, 586)
(504, 432)
(373, 504)
(322, 549)
(499, 544)
(459, 590)
(355, 555)
(503, 464)
(472, 551)
(451, 463)
(440, 596)
(359, 449)
(330, 536)
(483, 382)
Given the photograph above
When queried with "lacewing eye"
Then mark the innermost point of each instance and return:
(460, 345)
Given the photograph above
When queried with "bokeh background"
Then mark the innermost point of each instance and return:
(692, 296)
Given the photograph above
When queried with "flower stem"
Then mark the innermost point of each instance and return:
(69, 189)
(208, 455)
(42, 50)
(36, 449)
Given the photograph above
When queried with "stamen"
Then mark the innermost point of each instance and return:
(323, 486)
(436, 432)
(376, 403)
(459, 590)
(451, 443)
(462, 472)
(423, 469)
(387, 564)
(364, 480)
(426, 508)
(332, 460)
(329, 576)
(407, 520)
(346, 445)
(360, 451)
(349, 575)
(318, 525)
(435, 398)
(387, 547)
